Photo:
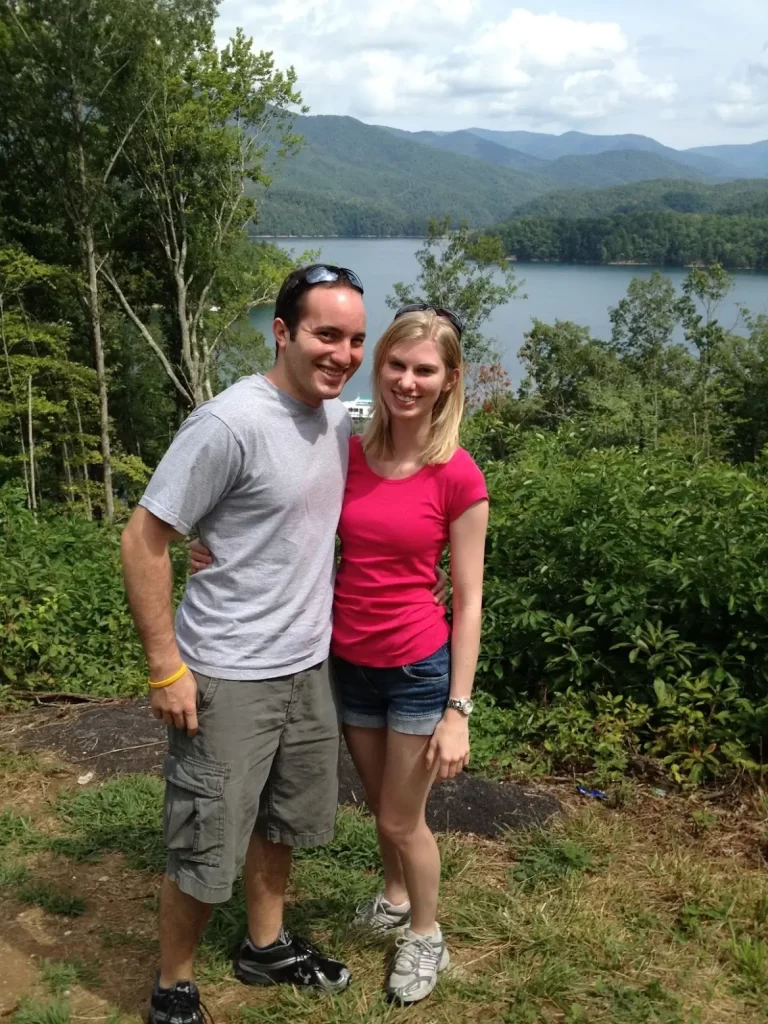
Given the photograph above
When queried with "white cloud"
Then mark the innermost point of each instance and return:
(746, 95)
(434, 60)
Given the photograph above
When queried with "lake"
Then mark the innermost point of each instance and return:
(554, 291)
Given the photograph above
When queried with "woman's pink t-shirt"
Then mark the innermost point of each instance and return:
(393, 533)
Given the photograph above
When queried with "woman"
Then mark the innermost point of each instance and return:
(405, 678)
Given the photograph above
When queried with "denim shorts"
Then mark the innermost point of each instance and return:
(410, 699)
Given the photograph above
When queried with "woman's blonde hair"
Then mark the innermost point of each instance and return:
(449, 408)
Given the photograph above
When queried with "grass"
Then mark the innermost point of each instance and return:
(57, 1011)
(549, 859)
(12, 763)
(123, 815)
(27, 889)
(645, 914)
(33, 1012)
(13, 826)
(59, 976)
(49, 898)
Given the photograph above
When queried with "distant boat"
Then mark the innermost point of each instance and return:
(360, 409)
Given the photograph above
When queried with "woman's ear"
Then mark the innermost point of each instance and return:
(451, 380)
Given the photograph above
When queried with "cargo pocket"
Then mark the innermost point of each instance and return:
(193, 820)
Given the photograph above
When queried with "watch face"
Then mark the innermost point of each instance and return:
(468, 706)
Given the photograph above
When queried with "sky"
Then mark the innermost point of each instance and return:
(686, 72)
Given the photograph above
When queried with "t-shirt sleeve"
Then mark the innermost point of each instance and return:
(200, 467)
(465, 485)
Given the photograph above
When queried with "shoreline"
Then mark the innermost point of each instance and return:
(510, 259)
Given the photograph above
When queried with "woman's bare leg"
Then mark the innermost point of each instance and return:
(368, 750)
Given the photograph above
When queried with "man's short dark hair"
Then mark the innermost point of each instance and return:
(289, 302)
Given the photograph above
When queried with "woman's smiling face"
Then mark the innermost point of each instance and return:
(412, 379)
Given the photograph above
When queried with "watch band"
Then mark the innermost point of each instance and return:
(462, 704)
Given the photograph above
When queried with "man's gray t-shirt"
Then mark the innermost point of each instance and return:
(261, 475)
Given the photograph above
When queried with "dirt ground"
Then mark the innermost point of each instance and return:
(664, 896)
(110, 738)
(95, 741)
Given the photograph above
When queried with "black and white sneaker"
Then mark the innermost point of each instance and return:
(290, 961)
(179, 1004)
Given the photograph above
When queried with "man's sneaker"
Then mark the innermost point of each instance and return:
(379, 916)
(179, 1004)
(418, 961)
(290, 961)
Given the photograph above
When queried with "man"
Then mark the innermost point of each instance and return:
(243, 680)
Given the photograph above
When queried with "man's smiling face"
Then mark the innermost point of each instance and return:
(327, 345)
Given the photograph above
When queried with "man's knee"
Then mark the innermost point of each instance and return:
(178, 905)
(268, 859)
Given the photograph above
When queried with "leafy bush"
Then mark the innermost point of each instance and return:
(628, 587)
(64, 619)
(571, 730)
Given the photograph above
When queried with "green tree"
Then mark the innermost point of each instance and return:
(569, 374)
(66, 70)
(703, 291)
(58, 64)
(190, 165)
(42, 392)
(643, 324)
(460, 271)
(742, 368)
(646, 236)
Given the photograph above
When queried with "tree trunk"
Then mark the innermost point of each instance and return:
(69, 493)
(86, 480)
(19, 416)
(94, 313)
(32, 494)
(101, 373)
(189, 354)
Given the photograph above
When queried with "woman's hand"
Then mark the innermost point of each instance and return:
(449, 746)
(440, 589)
(199, 557)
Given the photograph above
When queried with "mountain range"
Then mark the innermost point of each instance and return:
(352, 178)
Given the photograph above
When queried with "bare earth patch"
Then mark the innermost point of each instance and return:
(655, 912)
(112, 737)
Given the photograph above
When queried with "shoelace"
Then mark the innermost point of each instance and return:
(302, 945)
(368, 911)
(417, 955)
(182, 999)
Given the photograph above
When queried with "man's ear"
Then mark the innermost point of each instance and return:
(281, 333)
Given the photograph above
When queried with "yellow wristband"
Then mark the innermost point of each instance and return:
(171, 679)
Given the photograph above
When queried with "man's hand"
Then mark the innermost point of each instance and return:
(440, 589)
(449, 746)
(199, 557)
(177, 704)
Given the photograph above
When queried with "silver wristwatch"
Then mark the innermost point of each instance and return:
(462, 704)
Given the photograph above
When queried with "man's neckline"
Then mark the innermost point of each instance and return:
(305, 407)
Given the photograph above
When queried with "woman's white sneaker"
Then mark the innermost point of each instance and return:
(379, 916)
(418, 962)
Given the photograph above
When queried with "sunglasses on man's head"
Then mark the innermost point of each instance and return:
(326, 273)
(422, 307)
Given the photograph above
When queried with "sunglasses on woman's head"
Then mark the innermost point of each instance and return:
(422, 307)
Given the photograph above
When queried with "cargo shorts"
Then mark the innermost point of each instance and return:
(265, 759)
